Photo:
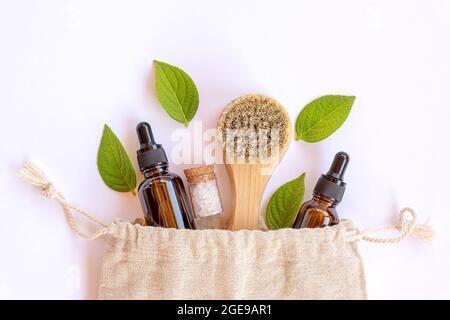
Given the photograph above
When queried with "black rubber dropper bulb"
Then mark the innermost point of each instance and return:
(339, 165)
(332, 183)
(149, 153)
(145, 134)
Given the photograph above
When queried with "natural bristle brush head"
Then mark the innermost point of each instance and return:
(253, 129)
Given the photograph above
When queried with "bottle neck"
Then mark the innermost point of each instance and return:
(321, 198)
(155, 170)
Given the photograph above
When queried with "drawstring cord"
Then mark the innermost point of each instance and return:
(407, 226)
(407, 221)
(34, 175)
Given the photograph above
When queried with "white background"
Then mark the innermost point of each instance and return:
(68, 67)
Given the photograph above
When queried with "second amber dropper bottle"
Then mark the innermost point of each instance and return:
(321, 211)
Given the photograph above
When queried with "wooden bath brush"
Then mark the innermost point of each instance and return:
(255, 131)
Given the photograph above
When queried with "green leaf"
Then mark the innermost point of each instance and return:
(285, 203)
(322, 117)
(176, 92)
(113, 163)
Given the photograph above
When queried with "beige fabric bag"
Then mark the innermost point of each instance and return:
(155, 263)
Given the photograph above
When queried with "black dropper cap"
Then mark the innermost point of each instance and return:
(332, 184)
(149, 153)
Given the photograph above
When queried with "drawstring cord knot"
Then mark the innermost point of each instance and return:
(48, 191)
(34, 175)
(407, 226)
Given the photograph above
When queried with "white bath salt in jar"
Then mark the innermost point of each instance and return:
(204, 191)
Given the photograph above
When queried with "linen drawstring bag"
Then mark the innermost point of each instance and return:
(143, 262)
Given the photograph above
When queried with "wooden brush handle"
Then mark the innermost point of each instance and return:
(248, 182)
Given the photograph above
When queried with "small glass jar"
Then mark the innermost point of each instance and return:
(204, 192)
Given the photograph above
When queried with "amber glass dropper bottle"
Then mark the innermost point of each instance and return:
(162, 193)
(321, 211)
